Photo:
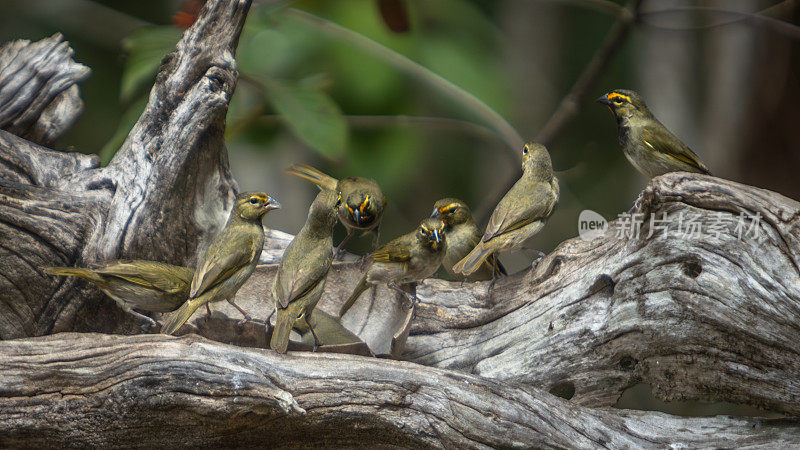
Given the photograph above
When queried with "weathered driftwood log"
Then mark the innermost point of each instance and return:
(166, 190)
(710, 317)
(154, 391)
(700, 316)
(38, 88)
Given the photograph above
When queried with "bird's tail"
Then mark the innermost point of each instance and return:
(313, 175)
(363, 285)
(179, 317)
(280, 334)
(84, 274)
(473, 260)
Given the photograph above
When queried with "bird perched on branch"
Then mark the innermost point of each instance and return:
(362, 205)
(647, 143)
(521, 213)
(407, 259)
(229, 260)
(136, 284)
(462, 236)
(301, 275)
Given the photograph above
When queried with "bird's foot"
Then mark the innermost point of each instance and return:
(149, 322)
(317, 342)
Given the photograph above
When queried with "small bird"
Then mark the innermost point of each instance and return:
(137, 284)
(301, 275)
(521, 213)
(362, 206)
(411, 257)
(646, 142)
(462, 236)
(229, 260)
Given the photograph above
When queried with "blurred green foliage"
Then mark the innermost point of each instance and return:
(296, 80)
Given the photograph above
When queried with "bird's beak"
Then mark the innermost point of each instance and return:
(436, 213)
(436, 236)
(272, 204)
(357, 217)
(604, 100)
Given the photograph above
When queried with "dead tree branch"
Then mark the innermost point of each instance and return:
(154, 391)
(710, 316)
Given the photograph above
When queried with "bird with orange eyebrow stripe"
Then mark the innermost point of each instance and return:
(229, 261)
(462, 236)
(646, 142)
(362, 204)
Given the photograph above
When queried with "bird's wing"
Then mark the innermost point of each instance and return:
(295, 280)
(397, 250)
(661, 140)
(220, 264)
(517, 209)
(164, 277)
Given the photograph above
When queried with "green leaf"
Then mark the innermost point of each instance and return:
(312, 116)
(146, 47)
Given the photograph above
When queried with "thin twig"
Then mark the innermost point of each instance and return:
(759, 18)
(495, 121)
(256, 115)
(568, 108)
(597, 5)
(380, 121)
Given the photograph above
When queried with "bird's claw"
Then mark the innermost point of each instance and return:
(338, 254)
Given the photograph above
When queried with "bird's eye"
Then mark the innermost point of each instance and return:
(300, 316)
(525, 150)
(253, 200)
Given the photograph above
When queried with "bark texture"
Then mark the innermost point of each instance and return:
(155, 391)
(705, 307)
(166, 190)
(707, 316)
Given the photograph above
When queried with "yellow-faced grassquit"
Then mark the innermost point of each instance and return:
(137, 284)
(521, 213)
(302, 272)
(229, 260)
(363, 202)
(407, 259)
(462, 236)
(648, 144)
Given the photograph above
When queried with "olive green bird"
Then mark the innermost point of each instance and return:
(521, 213)
(647, 143)
(136, 284)
(462, 236)
(304, 267)
(229, 260)
(407, 259)
(363, 202)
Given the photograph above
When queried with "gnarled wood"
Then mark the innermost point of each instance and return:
(153, 391)
(165, 192)
(709, 317)
(39, 96)
(698, 317)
